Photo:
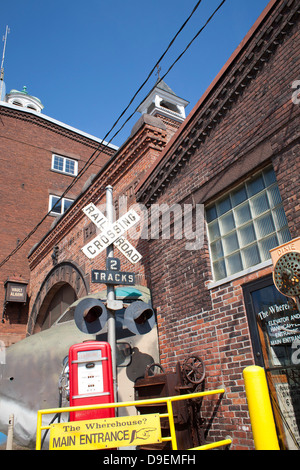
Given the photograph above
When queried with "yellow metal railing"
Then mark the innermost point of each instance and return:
(169, 414)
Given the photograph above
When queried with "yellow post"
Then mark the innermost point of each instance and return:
(39, 431)
(260, 409)
(172, 425)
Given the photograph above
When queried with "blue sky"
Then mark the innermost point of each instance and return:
(86, 59)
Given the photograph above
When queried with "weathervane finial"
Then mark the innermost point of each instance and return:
(158, 71)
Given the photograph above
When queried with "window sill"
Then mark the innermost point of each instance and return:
(65, 173)
(212, 284)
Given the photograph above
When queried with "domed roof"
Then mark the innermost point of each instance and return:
(24, 92)
(22, 98)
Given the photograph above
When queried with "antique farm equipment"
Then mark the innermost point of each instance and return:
(187, 378)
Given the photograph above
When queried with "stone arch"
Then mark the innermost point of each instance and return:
(63, 273)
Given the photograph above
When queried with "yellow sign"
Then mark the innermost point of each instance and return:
(106, 433)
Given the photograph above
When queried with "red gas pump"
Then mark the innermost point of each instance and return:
(91, 379)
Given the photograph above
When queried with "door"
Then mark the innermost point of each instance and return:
(274, 323)
(63, 298)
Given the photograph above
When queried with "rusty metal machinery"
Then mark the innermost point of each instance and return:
(287, 276)
(193, 370)
(157, 383)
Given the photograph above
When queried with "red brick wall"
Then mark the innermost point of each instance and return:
(259, 125)
(132, 161)
(26, 180)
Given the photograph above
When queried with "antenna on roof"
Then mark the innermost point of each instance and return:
(7, 31)
(158, 71)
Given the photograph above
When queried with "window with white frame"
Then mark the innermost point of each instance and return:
(246, 224)
(64, 165)
(58, 206)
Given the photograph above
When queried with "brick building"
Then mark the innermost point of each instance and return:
(50, 277)
(237, 158)
(60, 270)
(40, 158)
(238, 154)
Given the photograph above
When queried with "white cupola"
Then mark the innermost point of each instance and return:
(24, 100)
(162, 101)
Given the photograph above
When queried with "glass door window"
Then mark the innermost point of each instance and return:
(274, 323)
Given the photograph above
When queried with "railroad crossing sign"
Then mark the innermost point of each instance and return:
(111, 234)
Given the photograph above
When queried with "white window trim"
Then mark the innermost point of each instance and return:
(245, 272)
(51, 196)
(251, 269)
(65, 159)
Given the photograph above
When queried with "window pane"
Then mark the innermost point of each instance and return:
(70, 167)
(227, 223)
(269, 176)
(280, 218)
(219, 270)
(230, 243)
(239, 196)
(242, 214)
(251, 256)
(214, 231)
(211, 214)
(57, 208)
(284, 236)
(234, 264)
(259, 204)
(223, 206)
(217, 250)
(264, 226)
(247, 235)
(274, 196)
(58, 163)
(67, 204)
(255, 186)
(266, 245)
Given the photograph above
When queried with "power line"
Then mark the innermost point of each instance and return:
(90, 162)
(93, 157)
(172, 65)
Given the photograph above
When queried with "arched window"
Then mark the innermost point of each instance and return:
(30, 106)
(17, 103)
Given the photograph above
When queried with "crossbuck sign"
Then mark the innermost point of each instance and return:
(111, 233)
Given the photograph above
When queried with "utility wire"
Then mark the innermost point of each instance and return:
(88, 163)
(172, 65)
(91, 160)
(93, 157)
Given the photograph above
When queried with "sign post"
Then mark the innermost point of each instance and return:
(112, 234)
(111, 295)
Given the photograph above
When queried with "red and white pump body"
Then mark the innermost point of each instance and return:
(91, 379)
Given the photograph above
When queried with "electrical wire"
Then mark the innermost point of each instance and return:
(90, 162)
(92, 159)
(172, 65)
(100, 146)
